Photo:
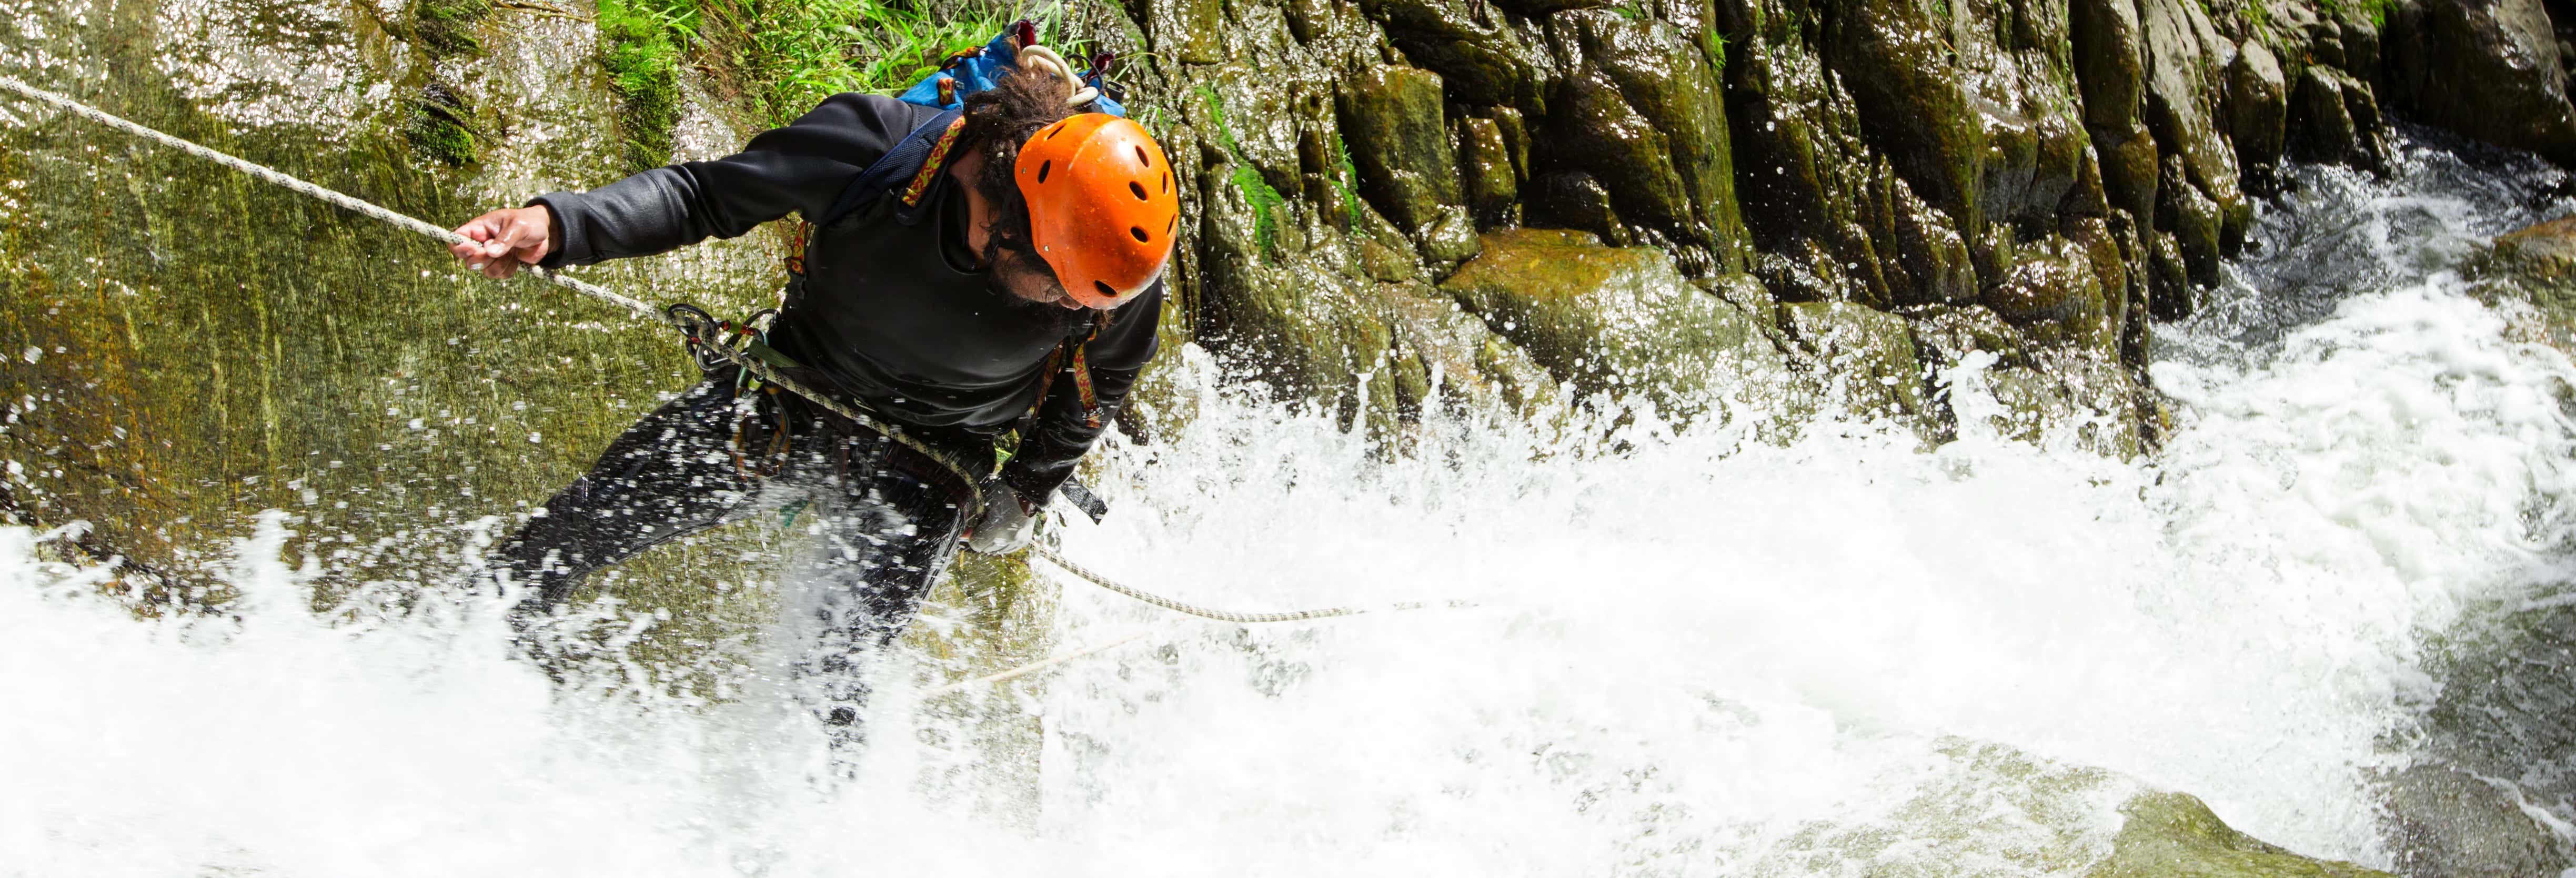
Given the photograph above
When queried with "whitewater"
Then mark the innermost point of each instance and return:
(1701, 655)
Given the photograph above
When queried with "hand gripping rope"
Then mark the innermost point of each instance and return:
(694, 328)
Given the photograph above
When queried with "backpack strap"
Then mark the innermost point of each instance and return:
(916, 161)
(916, 158)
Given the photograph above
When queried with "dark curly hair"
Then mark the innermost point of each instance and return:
(1000, 119)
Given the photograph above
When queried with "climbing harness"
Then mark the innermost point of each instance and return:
(738, 344)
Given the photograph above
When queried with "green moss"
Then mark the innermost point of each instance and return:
(641, 45)
(439, 129)
(439, 136)
(445, 28)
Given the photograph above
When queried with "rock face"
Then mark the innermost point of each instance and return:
(2171, 834)
(2069, 169)
(2490, 69)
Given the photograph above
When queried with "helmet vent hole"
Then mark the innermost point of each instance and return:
(1167, 181)
(1105, 291)
(1043, 168)
(1141, 159)
(1139, 232)
(1173, 226)
(1052, 132)
(1138, 188)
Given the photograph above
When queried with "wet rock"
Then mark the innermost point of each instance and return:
(1463, 362)
(1486, 170)
(1870, 355)
(2169, 834)
(1385, 254)
(1573, 200)
(2328, 128)
(2110, 57)
(2182, 88)
(1687, 184)
(2193, 219)
(2170, 295)
(445, 28)
(2489, 69)
(2128, 168)
(1190, 31)
(440, 126)
(1488, 60)
(1597, 132)
(1391, 117)
(2050, 284)
(2360, 45)
(2444, 821)
(1912, 99)
(2258, 103)
(1616, 320)
(2534, 270)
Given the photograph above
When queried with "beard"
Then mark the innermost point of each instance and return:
(1005, 263)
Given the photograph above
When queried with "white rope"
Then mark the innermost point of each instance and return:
(1045, 59)
(1226, 615)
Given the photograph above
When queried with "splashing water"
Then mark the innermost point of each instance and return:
(1700, 656)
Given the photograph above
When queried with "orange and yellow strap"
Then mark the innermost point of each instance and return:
(930, 166)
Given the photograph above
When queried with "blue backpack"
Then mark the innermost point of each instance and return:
(947, 88)
(974, 70)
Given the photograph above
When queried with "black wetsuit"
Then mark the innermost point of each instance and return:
(896, 316)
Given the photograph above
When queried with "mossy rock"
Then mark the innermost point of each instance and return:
(1486, 59)
(1869, 357)
(2173, 835)
(445, 28)
(1393, 120)
(1487, 172)
(439, 127)
(1677, 167)
(1465, 363)
(2534, 268)
(1616, 320)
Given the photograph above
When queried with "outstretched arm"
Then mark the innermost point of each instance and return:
(801, 167)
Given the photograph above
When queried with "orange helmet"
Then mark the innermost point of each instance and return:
(1101, 207)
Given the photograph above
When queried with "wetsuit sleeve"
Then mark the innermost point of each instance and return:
(799, 168)
(1061, 437)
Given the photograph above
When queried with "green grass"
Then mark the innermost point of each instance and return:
(1265, 199)
(776, 59)
(1712, 45)
(641, 43)
(1346, 179)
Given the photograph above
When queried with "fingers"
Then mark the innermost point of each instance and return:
(501, 242)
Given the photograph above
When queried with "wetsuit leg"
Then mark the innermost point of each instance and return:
(669, 475)
(887, 534)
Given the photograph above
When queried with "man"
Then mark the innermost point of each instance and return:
(1011, 293)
